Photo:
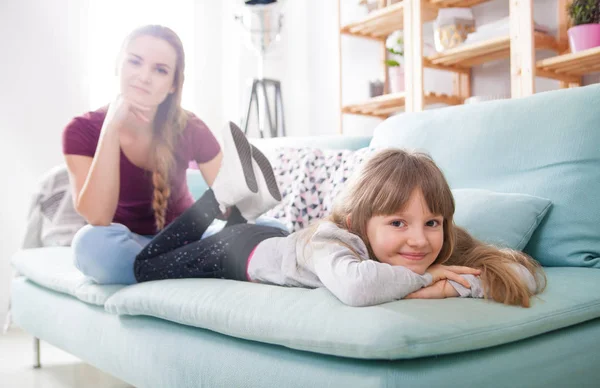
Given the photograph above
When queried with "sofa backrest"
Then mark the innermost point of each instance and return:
(547, 145)
(268, 146)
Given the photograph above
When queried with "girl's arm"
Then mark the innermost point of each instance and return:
(450, 288)
(364, 282)
(358, 282)
(476, 290)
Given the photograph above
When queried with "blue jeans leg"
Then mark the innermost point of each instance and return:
(270, 221)
(106, 253)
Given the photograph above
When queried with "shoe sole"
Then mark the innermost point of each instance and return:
(267, 172)
(244, 151)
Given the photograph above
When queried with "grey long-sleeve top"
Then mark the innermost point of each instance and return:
(329, 259)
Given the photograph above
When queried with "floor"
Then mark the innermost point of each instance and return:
(59, 369)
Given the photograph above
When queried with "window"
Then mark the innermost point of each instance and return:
(109, 22)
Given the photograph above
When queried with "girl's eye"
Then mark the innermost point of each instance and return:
(134, 62)
(397, 223)
(433, 223)
(161, 70)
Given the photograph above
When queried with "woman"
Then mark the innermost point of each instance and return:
(127, 162)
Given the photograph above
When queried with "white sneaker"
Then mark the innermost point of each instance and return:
(268, 195)
(236, 179)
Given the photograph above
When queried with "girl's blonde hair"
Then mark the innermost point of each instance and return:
(169, 122)
(384, 186)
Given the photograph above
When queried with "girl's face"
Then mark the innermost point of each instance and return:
(148, 70)
(411, 238)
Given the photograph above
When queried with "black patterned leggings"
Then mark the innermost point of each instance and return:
(178, 252)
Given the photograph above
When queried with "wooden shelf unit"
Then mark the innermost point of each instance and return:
(477, 53)
(569, 68)
(388, 104)
(456, 3)
(381, 23)
(565, 67)
(520, 46)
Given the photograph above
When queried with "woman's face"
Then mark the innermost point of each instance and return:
(148, 70)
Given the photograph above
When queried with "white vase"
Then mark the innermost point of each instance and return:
(396, 78)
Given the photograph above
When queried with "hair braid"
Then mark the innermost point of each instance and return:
(160, 181)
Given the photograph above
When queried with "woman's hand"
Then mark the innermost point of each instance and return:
(122, 110)
(452, 272)
(439, 290)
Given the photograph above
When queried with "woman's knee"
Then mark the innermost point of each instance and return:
(96, 249)
(271, 221)
(92, 240)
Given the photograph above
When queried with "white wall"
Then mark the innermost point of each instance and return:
(288, 60)
(42, 68)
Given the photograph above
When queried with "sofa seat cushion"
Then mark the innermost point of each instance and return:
(314, 320)
(52, 267)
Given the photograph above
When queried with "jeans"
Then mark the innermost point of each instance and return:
(106, 253)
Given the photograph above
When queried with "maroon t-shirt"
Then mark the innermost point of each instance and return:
(134, 209)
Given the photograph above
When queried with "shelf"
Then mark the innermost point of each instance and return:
(386, 105)
(456, 3)
(566, 66)
(473, 54)
(382, 22)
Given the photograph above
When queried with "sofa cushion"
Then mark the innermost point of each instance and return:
(547, 145)
(310, 179)
(503, 219)
(149, 352)
(52, 267)
(314, 320)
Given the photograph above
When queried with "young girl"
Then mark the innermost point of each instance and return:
(127, 162)
(391, 236)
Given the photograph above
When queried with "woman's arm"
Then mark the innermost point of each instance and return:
(210, 169)
(95, 181)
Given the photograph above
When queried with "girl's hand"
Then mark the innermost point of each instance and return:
(122, 110)
(439, 290)
(452, 272)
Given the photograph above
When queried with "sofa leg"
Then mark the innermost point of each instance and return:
(36, 353)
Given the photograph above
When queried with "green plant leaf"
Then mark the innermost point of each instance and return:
(584, 12)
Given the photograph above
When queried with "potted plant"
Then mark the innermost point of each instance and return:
(395, 47)
(585, 31)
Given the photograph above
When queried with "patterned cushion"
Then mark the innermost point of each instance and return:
(309, 180)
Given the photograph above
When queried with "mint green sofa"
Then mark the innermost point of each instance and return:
(219, 333)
